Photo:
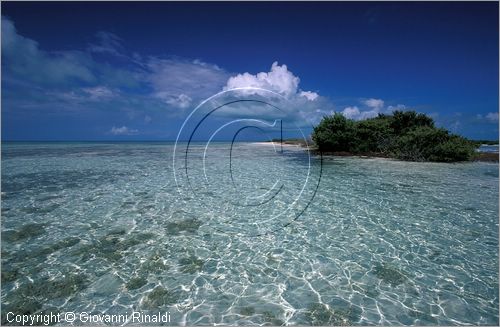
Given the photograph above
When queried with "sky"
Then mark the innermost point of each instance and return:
(135, 71)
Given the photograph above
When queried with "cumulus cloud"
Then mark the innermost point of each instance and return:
(82, 81)
(37, 81)
(355, 113)
(78, 79)
(372, 108)
(400, 107)
(302, 107)
(279, 80)
(351, 112)
(311, 96)
(360, 115)
(124, 130)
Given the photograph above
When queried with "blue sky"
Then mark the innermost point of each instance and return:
(134, 71)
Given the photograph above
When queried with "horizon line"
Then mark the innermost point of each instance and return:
(229, 140)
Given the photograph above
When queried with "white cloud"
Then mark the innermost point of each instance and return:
(356, 114)
(373, 107)
(99, 92)
(139, 87)
(311, 96)
(374, 103)
(279, 80)
(124, 130)
(180, 83)
(180, 101)
(492, 116)
(302, 107)
(351, 112)
(170, 83)
(84, 96)
(75, 80)
(29, 63)
(396, 107)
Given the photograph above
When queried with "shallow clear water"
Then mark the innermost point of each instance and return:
(103, 228)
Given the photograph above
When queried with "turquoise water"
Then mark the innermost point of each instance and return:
(104, 228)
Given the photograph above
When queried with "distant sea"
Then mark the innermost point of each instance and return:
(106, 228)
(488, 148)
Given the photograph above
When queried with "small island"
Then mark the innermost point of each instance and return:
(404, 135)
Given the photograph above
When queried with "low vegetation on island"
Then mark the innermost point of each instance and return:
(485, 142)
(404, 135)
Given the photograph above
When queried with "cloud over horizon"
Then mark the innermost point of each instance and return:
(105, 81)
(303, 108)
(94, 79)
(124, 130)
(370, 108)
(279, 79)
